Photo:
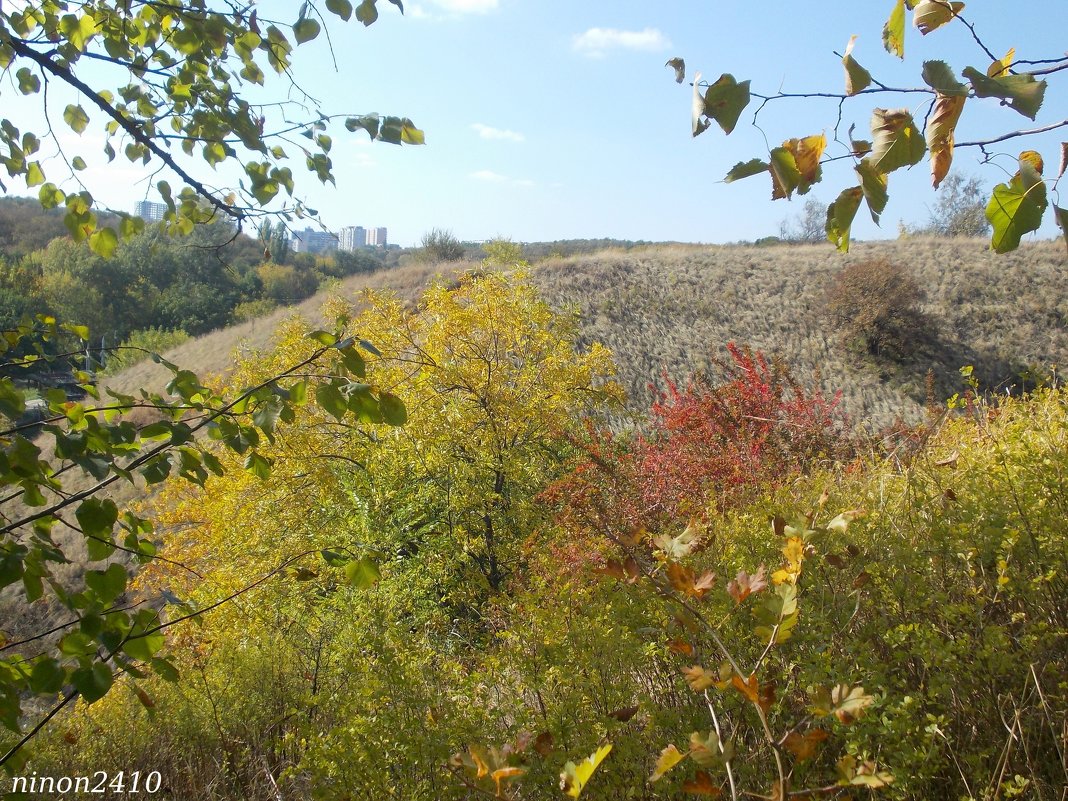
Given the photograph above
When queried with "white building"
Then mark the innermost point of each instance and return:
(352, 237)
(149, 212)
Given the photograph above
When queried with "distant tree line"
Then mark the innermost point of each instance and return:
(214, 277)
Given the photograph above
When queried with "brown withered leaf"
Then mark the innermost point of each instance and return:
(803, 746)
(680, 647)
(744, 584)
(543, 743)
(863, 578)
(949, 461)
(835, 561)
(624, 714)
(848, 703)
(630, 567)
(702, 784)
(941, 128)
(613, 568)
(778, 525)
(949, 494)
(767, 695)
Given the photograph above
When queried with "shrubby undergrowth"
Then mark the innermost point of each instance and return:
(740, 602)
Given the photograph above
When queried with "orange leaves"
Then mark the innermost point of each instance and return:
(744, 584)
(705, 751)
(803, 746)
(940, 131)
(796, 165)
(763, 695)
(627, 570)
(702, 784)
(683, 580)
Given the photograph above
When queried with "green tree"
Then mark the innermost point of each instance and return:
(172, 94)
(188, 65)
(439, 244)
(1015, 208)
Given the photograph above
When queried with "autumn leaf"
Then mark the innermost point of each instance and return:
(857, 78)
(725, 100)
(803, 746)
(894, 30)
(840, 215)
(624, 714)
(681, 647)
(896, 141)
(750, 687)
(698, 678)
(840, 523)
(1016, 208)
(702, 784)
(1000, 68)
(708, 750)
(929, 15)
(669, 758)
(574, 777)
(543, 743)
(679, 65)
(744, 584)
(848, 703)
(940, 131)
(505, 774)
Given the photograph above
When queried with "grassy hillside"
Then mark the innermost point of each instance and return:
(673, 308)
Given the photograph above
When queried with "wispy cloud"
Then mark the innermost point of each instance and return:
(489, 132)
(491, 177)
(453, 7)
(597, 42)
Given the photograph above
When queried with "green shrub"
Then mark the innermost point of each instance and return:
(142, 344)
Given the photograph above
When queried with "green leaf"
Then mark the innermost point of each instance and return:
(575, 777)
(1023, 93)
(894, 30)
(940, 77)
(857, 78)
(144, 646)
(342, 8)
(725, 100)
(107, 584)
(258, 465)
(97, 517)
(331, 400)
(28, 82)
(874, 184)
(34, 174)
(366, 12)
(840, 215)
(103, 242)
(1016, 208)
(393, 411)
(785, 177)
(744, 169)
(93, 683)
(47, 677)
(362, 573)
(76, 118)
(305, 30)
(1062, 221)
(896, 141)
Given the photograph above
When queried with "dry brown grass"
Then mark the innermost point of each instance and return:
(671, 307)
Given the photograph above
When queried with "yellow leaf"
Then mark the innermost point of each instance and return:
(669, 758)
(698, 678)
(1034, 158)
(574, 777)
(1000, 68)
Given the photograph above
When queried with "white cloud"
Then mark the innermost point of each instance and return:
(596, 42)
(491, 177)
(452, 7)
(489, 132)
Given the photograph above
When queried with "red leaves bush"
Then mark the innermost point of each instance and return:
(706, 443)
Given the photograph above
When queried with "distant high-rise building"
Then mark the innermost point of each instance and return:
(376, 237)
(149, 211)
(352, 237)
(311, 240)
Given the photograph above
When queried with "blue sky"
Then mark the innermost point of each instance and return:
(552, 119)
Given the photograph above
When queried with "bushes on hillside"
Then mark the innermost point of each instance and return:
(875, 307)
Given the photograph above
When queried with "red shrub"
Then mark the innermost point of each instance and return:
(706, 443)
